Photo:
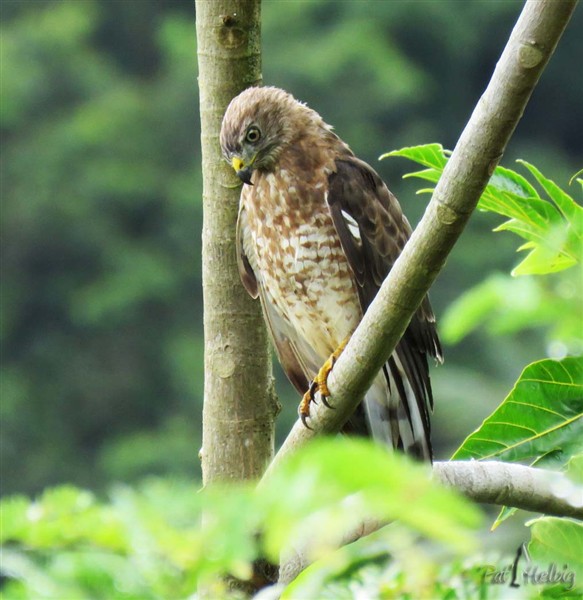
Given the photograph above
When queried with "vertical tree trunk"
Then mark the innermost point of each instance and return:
(239, 401)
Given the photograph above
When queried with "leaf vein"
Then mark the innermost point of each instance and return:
(506, 424)
(527, 440)
(536, 406)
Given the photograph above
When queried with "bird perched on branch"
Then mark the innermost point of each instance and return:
(317, 233)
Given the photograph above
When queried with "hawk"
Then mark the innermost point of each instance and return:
(317, 233)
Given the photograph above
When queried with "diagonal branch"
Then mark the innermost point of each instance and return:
(475, 156)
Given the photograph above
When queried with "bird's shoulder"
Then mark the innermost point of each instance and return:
(368, 217)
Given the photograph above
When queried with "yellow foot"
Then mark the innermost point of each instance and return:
(320, 384)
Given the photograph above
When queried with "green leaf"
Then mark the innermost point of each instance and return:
(427, 174)
(502, 304)
(432, 156)
(391, 564)
(14, 518)
(558, 541)
(543, 413)
(553, 229)
(470, 310)
(333, 484)
(505, 513)
(531, 219)
(342, 571)
(428, 155)
(62, 516)
(568, 207)
(575, 468)
(506, 180)
(542, 261)
(147, 541)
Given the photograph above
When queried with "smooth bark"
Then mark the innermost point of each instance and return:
(239, 401)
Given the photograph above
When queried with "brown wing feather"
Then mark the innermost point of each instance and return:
(246, 273)
(373, 232)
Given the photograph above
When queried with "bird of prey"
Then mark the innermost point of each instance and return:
(317, 233)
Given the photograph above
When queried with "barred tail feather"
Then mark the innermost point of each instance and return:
(394, 415)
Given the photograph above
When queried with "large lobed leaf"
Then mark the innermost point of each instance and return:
(539, 422)
(553, 228)
(541, 415)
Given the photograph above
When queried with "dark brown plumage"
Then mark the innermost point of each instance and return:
(318, 231)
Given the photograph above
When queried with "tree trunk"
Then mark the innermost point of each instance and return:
(239, 401)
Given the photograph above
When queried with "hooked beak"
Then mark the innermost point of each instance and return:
(243, 171)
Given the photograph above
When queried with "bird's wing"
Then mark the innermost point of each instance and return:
(243, 248)
(373, 232)
(298, 360)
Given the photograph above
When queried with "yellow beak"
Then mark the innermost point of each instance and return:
(243, 170)
(238, 164)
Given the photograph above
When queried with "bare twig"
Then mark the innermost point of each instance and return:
(507, 484)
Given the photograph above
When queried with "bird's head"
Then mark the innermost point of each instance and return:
(256, 128)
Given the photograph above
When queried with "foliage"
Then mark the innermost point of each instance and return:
(67, 544)
(152, 541)
(541, 421)
(541, 417)
(164, 537)
(558, 542)
(391, 564)
(553, 230)
(101, 330)
(504, 305)
(101, 342)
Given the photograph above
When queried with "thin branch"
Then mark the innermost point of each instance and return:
(507, 484)
(477, 153)
(503, 484)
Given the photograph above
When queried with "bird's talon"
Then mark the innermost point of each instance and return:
(319, 386)
(304, 407)
(326, 403)
(312, 391)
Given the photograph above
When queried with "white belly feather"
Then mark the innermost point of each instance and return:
(304, 270)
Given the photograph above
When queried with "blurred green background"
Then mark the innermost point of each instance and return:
(102, 349)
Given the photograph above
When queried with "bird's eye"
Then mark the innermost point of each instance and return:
(253, 135)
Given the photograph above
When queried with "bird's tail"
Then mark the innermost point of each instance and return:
(394, 413)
